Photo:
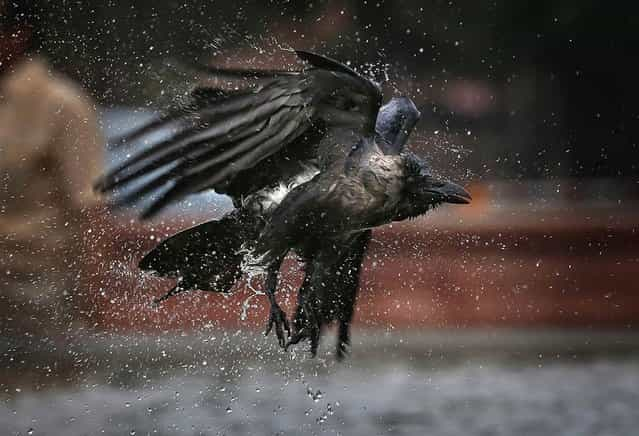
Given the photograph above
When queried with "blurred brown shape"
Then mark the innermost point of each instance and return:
(50, 151)
(470, 97)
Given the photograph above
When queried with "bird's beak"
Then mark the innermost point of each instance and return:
(449, 192)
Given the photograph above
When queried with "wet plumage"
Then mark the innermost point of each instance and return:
(312, 161)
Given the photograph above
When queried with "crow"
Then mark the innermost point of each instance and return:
(312, 162)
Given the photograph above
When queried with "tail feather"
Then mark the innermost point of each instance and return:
(207, 257)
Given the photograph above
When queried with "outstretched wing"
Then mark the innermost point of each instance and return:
(221, 134)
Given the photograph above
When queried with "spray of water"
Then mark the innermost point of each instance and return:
(252, 269)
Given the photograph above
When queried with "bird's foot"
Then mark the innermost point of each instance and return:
(278, 319)
(343, 340)
(343, 349)
(310, 331)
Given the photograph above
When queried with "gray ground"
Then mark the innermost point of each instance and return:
(442, 383)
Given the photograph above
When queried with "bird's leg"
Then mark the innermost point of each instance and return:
(350, 284)
(315, 333)
(312, 315)
(348, 294)
(343, 339)
(277, 317)
(301, 317)
(307, 322)
(302, 312)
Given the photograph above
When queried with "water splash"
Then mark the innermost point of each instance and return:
(252, 269)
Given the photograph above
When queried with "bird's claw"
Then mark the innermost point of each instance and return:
(343, 350)
(278, 319)
(295, 338)
(311, 332)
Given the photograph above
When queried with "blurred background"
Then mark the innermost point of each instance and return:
(514, 315)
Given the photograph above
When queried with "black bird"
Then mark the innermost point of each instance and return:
(312, 162)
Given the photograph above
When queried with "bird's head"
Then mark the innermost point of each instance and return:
(423, 191)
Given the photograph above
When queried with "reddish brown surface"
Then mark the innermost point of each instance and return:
(477, 266)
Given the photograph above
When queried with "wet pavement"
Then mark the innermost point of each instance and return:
(436, 383)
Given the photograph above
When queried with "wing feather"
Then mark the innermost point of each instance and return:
(198, 181)
(219, 135)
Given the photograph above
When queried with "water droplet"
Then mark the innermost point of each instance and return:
(315, 396)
